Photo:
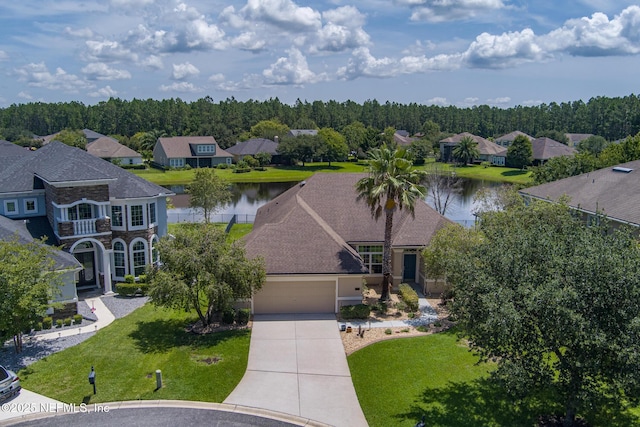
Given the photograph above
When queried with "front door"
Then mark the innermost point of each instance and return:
(409, 271)
(87, 276)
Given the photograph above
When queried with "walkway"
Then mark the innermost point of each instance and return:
(297, 365)
(105, 317)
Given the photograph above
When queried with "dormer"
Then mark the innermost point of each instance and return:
(203, 149)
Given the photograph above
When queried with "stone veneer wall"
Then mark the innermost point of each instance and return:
(129, 236)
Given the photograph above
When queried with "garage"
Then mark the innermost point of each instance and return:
(295, 297)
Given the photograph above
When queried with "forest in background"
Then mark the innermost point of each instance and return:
(226, 120)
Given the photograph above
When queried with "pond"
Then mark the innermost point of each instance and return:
(248, 197)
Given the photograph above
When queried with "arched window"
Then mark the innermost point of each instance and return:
(119, 259)
(139, 257)
(155, 256)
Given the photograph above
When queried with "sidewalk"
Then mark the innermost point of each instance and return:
(105, 317)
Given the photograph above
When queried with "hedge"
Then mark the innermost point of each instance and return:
(132, 289)
(409, 296)
(359, 311)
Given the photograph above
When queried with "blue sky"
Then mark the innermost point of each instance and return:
(446, 52)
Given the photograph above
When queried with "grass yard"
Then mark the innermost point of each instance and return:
(399, 381)
(271, 174)
(491, 173)
(236, 232)
(127, 353)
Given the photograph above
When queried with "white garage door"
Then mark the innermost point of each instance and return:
(296, 297)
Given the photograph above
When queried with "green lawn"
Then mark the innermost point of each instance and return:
(491, 173)
(236, 232)
(127, 353)
(272, 174)
(399, 381)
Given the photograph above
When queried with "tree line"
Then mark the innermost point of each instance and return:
(226, 120)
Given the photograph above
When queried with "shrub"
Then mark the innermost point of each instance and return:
(242, 170)
(358, 311)
(132, 289)
(142, 278)
(388, 331)
(140, 166)
(67, 321)
(409, 296)
(77, 319)
(422, 328)
(243, 315)
(228, 316)
(380, 307)
(47, 322)
(59, 323)
(38, 326)
(129, 278)
(222, 166)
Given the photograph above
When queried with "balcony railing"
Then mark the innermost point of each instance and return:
(84, 226)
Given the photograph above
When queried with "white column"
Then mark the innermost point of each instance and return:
(106, 270)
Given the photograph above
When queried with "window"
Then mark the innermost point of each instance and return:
(228, 160)
(116, 216)
(155, 255)
(372, 257)
(206, 149)
(30, 205)
(176, 163)
(152, 213)
(81, 211)
(137, 216)
(11, 207)
(139, 253)
(119, 259)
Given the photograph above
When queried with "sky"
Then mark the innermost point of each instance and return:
(463, 53)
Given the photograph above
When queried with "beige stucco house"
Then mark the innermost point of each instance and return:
(320, 245)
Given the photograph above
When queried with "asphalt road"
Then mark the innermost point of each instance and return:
(156, 417)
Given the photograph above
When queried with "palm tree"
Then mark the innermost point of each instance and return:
(466, 150)
(392, 183)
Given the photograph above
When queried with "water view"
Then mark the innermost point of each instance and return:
(248, 197)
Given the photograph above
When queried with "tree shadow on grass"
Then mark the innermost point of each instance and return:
(514, 172)
(311, 168)
(483, 403)
(158, 336)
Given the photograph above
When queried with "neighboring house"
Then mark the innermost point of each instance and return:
(109, 149)
(612, 191)
(507, 140)
(8, 149)
(195, 151)
(547, 148)
(489, 151)
(92, 135)
(63, 262)
(403, 138)
(320, 243)
(575, 138)
(254, 146)
(298, 132)
(108, 218)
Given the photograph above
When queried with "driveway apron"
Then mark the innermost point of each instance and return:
(297, 365)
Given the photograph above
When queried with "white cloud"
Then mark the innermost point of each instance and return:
(83, 33)
(499, 100)
(216, 78)
(38, 75)
(291, 70)
(25, 95)
(283, 14)
(105, 92)
(129, 4)
(506, 50)
(109, 51)
(3, 55)
(449, 10)
(342, 31)
(438, 100)
(249, 41)
(101, 71)
(184, 71)
(184, 87)
(152, 62)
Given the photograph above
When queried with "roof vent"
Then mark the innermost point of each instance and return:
(621, 169)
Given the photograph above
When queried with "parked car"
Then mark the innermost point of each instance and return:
(9, 383)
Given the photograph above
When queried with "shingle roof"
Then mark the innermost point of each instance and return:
(546, 148)
(605, 190)
(485, 147)
(9, 149)
(510, 137)
(92, 135)
(309, 228)
(57, 163)
(254, 146)
(575, 138)
(180, 146)
(297, 132)
(108, 148)
(10, 229)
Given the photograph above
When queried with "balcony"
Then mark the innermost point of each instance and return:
(84, 227)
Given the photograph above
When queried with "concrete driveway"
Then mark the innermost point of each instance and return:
(297, 365)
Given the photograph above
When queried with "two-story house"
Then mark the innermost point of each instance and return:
(194, 151)
(108, 218)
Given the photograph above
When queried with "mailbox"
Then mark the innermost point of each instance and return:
(92, 376)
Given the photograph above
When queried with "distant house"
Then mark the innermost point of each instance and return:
(319, 243)
(575, 138)
(109, 149)
(298, 132)
(403, 138)
(92, 135)
(195, 151)
(9, 149)
(254, 146)
(611, 191)
(507, 140)
(489, 151)
(547, 148)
